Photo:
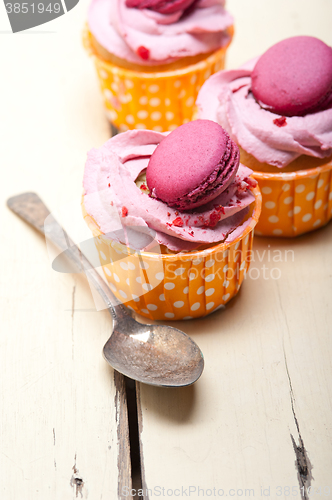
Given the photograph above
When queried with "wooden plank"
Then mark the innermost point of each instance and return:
(64, 431)
(64, 422)
(265, 392)
(258, 422)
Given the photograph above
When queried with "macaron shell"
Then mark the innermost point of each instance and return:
(294, 76)
(198, 159)
(161, 6)
(216, 183)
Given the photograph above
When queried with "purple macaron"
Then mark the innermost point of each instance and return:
(161, 6)
(294, 77)
(192, 165)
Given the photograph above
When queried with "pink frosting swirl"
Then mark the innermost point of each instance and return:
(162, 6)
(148, 37)
(226, 98)
(114, 200)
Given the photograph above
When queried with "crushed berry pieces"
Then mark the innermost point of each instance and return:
(143, 52)
(242, 188)
(124, 211)
(109, 185)
(280, 122)
(143, 186)
(168, 214)
(176, 213)
(214, 218)
(191, 233)
(178, 222)
(252, 182)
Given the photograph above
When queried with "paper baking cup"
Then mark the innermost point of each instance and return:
(295, 203)
(158, 101)
(176, 286)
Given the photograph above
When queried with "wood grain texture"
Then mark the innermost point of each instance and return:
(258, 422)
(63, 416)
(260, 416)
(124, 465)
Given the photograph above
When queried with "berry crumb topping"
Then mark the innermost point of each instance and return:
(178, 222)
(251, 181)
(280, 122)
(143, 52)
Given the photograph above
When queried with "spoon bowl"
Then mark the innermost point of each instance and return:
(153, 354)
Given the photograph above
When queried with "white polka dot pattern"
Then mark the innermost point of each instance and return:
(295, 203)
(164, 99)
(176, 286)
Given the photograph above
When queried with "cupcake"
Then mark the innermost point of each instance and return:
(278, 109)
(173, 216)
(152, 57)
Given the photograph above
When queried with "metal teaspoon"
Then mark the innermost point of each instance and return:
(153, 354)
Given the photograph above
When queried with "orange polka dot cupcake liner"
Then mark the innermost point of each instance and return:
(295, 203)
(158, 101)
(169, 286)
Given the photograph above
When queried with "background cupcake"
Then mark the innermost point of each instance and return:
(278, 109)
(153, 56)
(177, 245)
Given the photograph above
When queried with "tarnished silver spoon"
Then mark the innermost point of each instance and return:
(153, 354)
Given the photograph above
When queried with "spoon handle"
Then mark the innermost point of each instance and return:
(32, 209)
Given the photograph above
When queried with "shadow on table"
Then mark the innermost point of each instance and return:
(174, 404)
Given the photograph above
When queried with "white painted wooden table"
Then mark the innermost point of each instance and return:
(258, 423)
